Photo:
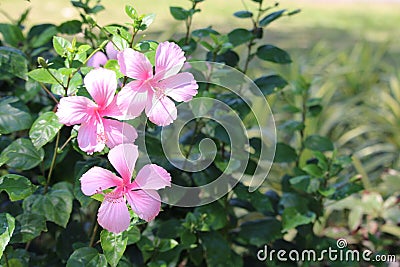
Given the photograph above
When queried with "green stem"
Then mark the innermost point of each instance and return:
(189, 24)
(66, 143)
(53, 161)
(302, 131)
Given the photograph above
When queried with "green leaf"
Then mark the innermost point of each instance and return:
(43, 75)
(243, 14)
(273, 54)
(239, 36)
(204, 32)
(131, 12)
(12, 34)
(21, 154)
(215, 216)
(318, 143)
(17, 187)
(44, 37)
(271, 17)
(12, 63)
(147, 21)
(133, 234)
(167, 245)
(291, 218)
(113, 246)
(313, 169)
(254, 232)
(187, 238)
(70, 27)
(7, 226)
(86, 257)
(291, 126)
(178, 13)
(113, 65)
(284, 153)
(56, 204)
(44, 129)
(270, 84)
(14, 115)
(61, 46)
(29, 226)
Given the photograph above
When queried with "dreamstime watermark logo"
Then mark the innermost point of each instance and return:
(241, 94)
(340, 253)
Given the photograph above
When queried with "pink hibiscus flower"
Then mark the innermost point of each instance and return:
(99, 58)
(140, 193)
(151, 92)
(96, 131)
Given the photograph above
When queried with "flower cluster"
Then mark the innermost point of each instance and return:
(100, 125)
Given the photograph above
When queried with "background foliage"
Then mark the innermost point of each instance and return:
(336, 170)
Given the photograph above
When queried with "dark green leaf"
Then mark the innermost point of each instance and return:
(218, 251)
(44, 37)
(70, 27)
(44, 129)
(239, 36)
(243, 14)
(113, 246)
(291, 126)
(271, 17)
(273, 54)
(178, 13)
(13, 63)
(21, 154)
(86, 257)
(56, 205)
(12, 34)
(254, 232)
(7, 226)
(169, 229)
(200, 33)
(291, 218)
(284, 153)
(215, 216)
(270, 84)
(14, 115)
(318, 143)
(29, 226)
(17, 187)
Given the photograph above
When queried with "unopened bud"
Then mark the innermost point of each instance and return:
(42, 62)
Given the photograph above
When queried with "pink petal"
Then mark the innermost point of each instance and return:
(113, 110)
(113, 214)
(169, 60)
(74, 110)
(111, 51)
(152, 176)
(161, 111)
(99, 59)
(98, 179)
(132, 101)
(101, 85)
(181, 87)
(146, 204)
(118, 133)
(135, 65)
(90, 137)
(123, 157)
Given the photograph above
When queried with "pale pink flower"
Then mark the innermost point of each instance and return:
(151, 91)
(140, 193)
(99, 58)
(95, 131)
